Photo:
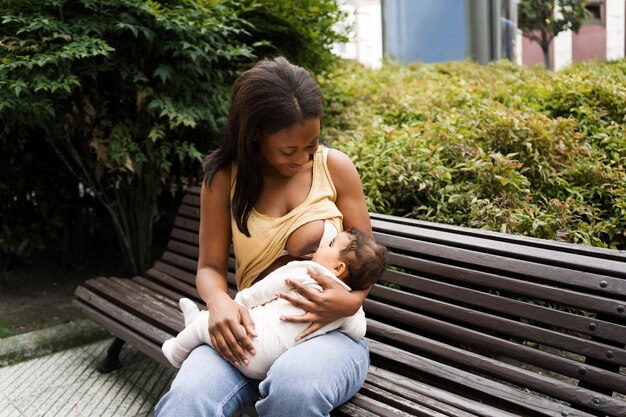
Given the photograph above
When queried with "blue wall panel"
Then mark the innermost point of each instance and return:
(425, 30)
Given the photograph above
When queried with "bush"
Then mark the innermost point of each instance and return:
(126, 93)
(498, 147)
(303, 31)
(118, 89)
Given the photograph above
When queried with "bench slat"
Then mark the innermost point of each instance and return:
(506, 266)
(147, 294)
(467, 360)
(407, 406)
(167, 294)
(123, 331)
(175, 273)
(173, 297)
(614, 265)
(491, 282)
(433, 397)
(495, 346)
(193, 212)
(350, 410)
(512, 328)
(187, 223)
(425, 406)
(140, 304)
(172, 283)
(180, 261)
(191, 200)
(123, 317)
(381, 409)
(186, 236)
(455, 378)
(136, 283)
(184, 249)
(590, 326)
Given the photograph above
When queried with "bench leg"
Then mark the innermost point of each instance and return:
(112, 361)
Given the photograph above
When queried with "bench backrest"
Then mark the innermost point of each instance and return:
(507, 320)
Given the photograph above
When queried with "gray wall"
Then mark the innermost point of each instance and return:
(441, 30)
(425, 30)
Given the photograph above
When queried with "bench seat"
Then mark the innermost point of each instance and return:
(464, 322)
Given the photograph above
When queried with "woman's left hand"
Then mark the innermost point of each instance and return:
(332, 303)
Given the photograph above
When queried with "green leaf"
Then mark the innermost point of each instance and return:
(163, 72)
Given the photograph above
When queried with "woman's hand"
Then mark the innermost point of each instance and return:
(225, 327)
(334, 302)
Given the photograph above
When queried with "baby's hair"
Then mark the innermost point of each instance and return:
(365, 260)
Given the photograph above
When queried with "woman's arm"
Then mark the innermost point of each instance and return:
(334, 302)
(350, 197)
(226, 316)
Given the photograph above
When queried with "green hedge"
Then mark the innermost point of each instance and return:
(497, 147)
(106, 106)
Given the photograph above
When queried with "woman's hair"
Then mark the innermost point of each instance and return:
(270, 96)
(365, 260)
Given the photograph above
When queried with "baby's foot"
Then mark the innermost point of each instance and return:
(190, 310)
(168, 351)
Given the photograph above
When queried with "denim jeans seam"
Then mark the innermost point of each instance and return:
(356, 365)
(230, 395)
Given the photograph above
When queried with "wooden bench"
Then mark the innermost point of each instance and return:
(463, 323)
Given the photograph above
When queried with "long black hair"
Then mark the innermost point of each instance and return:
(272, 95)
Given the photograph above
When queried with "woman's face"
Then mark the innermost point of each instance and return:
(287, 151)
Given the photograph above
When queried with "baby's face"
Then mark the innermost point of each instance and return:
(330, 255)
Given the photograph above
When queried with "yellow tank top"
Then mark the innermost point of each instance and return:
(268, 235)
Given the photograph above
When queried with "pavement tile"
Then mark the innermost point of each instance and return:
(66, 384)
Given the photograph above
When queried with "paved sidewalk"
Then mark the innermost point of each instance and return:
(66, 384)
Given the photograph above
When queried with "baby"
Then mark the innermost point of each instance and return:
(353, 259)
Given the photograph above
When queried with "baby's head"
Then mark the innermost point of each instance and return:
(354, 257)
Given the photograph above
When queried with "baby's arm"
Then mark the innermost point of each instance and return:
(355, 325)
(265, 290)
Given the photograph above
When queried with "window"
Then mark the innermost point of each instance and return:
(595, 12)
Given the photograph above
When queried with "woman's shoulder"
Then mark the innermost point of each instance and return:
(221, 181)
(338, 161)
(342, 169)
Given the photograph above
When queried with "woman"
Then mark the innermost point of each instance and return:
(276, 194)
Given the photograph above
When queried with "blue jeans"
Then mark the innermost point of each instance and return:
(308, 380)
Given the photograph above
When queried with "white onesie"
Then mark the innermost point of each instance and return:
(274, 336)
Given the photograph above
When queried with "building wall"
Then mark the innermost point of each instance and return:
(366, 36)
(425, 30)
(589, 43)
(615, 29)
(562, 44)
(592, 42)
(445, 30)
(369, 32)
(531, 53)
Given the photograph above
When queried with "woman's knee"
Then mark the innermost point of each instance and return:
(184, 399)
(280, 398)
(326, 371)
(206, 385)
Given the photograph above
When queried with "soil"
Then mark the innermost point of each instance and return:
(37, 293)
